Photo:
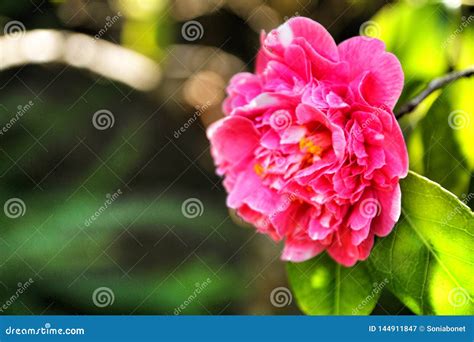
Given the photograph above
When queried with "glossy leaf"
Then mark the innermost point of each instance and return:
(428, 258)
(461, 98)
(323, 287)
(443, 160)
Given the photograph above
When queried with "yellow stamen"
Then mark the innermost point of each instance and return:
(310, 147)
(259, 169)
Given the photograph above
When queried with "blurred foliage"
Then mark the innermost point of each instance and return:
(63, 170)
(430, 40)
(142, 247)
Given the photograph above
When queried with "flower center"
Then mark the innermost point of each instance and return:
(312, 152)
(306, 145)
(259, 169)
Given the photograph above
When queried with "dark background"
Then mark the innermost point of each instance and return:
(142, 247)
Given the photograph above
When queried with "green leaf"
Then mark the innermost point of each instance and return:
(323, 287)
(428, 258)
(443, 160)
(461, 99)
(417, 46)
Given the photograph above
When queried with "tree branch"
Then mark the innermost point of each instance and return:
(435, 84)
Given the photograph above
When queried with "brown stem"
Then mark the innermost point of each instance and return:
(435, 84)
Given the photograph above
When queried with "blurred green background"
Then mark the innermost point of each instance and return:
(150, 68)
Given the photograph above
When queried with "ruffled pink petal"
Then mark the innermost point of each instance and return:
(310, 150)
(301, 250)
(390, 210)
(242, 88)
(233, 139)
(262, 57)
(296, 58)
(293, 134)
(318, 231)
(396, 155)
(343, 250)
(289, 216)
(377, 74)
(312, 32)
(259, 220)
(299, 41)
(280, 78)
(307, 113)
(263, 102)
(365, 247)
(359, 236)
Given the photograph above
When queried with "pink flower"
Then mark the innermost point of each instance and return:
(310, 149)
